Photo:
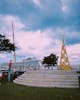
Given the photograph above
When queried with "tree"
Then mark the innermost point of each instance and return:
(50, 60)
(5, 44)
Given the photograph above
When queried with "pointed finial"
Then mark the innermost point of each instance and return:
(63, 36)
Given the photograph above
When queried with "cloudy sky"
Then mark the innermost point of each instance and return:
(39, 25)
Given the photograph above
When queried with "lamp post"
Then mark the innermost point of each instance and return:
(14, 44)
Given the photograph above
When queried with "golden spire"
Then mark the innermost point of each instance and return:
(64, 61)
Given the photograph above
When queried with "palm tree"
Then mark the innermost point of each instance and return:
(5, 44)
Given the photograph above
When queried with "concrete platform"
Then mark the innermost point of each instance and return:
(49, 78)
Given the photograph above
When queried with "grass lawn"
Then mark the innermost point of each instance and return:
(11, 91)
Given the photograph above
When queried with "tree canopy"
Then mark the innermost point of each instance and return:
(50, 60)
(5, 44)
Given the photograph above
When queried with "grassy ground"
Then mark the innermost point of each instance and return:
(11, 91)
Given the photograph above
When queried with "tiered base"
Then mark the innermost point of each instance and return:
(49, 78)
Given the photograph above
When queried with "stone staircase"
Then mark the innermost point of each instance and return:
(49, 78)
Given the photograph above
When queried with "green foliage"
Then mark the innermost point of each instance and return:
(50, 60)
(5, 45)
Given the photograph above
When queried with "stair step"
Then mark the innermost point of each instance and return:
(49, 78)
